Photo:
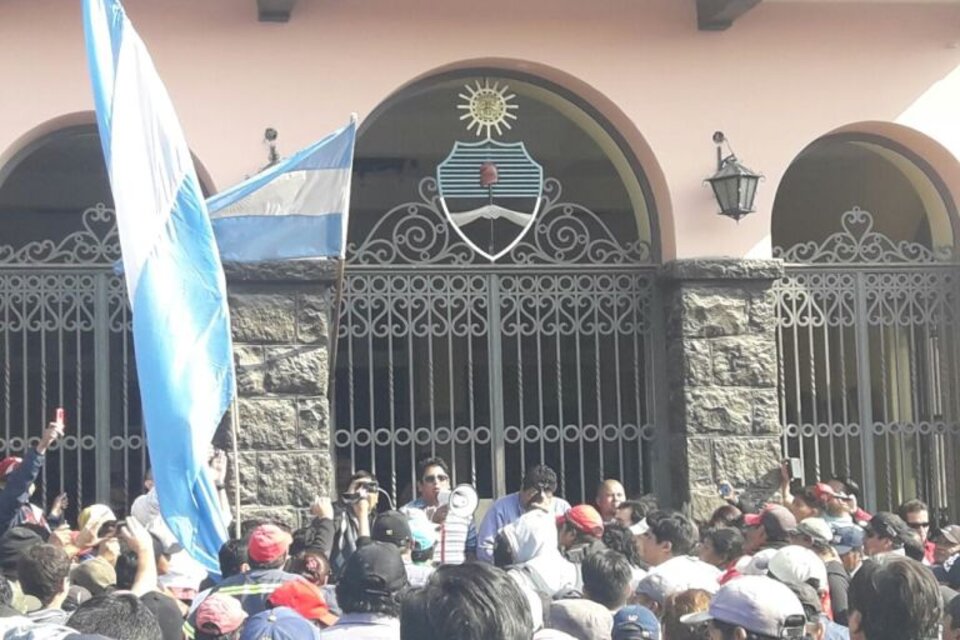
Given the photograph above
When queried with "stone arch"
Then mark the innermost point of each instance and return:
(638, 161)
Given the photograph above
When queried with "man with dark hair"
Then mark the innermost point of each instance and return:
(116, 615)
(885, 535)
(671, 534)
(44, 571)
(666, 547)
(620, 538)
(630, 512)
(468, 602)
(353, 515)
(536, 492)
(267, 550)
(606, 578)
(610, 495)
(894, 599)
(722, 547)
(459, 534)
(765, 533)
(369, 592)
(916, 514)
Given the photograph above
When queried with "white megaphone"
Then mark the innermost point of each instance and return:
(463, 500)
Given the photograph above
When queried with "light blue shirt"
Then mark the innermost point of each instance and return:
(504, 511)
(471, 544)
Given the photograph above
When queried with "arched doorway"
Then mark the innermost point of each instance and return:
(868, 320)
(498, 305)
(65, 326)
(64, 323)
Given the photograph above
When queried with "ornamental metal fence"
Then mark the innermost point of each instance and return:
(547, 355)
(869, 346)
(65, 341)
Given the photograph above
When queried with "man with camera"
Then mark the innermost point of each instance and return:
(353, 515)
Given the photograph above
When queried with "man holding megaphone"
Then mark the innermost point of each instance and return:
(451, 510)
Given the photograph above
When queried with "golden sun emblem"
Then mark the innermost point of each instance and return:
(487, 107)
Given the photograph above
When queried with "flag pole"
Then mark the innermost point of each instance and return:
(337, 299)
(234, 431)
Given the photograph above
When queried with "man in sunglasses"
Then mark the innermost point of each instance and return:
(917, 516)
(433, 483)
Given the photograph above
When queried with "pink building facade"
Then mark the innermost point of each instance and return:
(656, 340)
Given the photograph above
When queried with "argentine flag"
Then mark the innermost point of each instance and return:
(181, 325)
(295, 209)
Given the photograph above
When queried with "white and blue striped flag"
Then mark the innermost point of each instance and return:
(181, 325)
(295, 209)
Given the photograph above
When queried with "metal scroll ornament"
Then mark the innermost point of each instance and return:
(858, 243)
(566, 233)
(96, 243)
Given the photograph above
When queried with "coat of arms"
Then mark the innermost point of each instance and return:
(488, 181)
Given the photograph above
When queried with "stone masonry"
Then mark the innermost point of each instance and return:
(281, 316)
(722, 373)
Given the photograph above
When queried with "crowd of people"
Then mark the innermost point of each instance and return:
(809, 564)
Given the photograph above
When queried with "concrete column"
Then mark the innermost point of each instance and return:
(280, 315)
(722, 374)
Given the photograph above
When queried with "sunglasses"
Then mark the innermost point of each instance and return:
(439, 477)
(918, 525)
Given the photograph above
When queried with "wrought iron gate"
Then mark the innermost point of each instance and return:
(869, 344)
(65, 340)
(548, 357)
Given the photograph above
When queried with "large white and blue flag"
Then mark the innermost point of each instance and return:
(296, 208)
(181, 326)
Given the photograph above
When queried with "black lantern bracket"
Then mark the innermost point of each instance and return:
(734, 185)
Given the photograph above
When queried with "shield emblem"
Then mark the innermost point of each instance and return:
(493, 182)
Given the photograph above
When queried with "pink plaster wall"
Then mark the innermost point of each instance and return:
(785, 74)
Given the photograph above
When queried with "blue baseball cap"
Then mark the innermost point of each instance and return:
(847, 538)
(281, 623)
(635, 622)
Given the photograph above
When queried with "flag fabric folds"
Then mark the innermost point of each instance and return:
(296, 208)
(181, 325)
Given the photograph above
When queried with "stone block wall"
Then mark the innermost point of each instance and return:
(722, 374)
(280, 315)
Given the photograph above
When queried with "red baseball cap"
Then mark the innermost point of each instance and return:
(585, 518)
(267, 543)
(306, 599)
(220, 614)
(824, 492)
(8, 465)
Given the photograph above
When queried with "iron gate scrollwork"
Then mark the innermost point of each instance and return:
(65, 340)
(869, 343)
(546, 357)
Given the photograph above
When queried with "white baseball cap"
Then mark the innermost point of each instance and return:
(798, 565)
(758, 604)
